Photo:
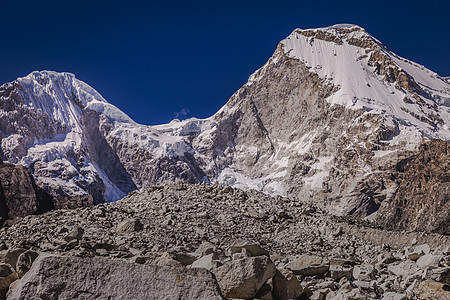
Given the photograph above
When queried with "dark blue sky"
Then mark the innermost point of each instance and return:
(153, 60)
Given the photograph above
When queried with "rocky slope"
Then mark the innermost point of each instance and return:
(255, 245)
(327, 120)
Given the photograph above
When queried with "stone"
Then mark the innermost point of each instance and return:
(319, 294)
(207, 262)
(441, 274)
(243, 278)
(364, 285)
(129, 226)
(429, 260)
(7, 276)
(166, 259)
(25, 261)
(364, 272)
(419, 251)
(185, 259)
(204, 249)
(265, 293)
(393, 296)
(11, 256)
(286, 285)
(12, 286)
(308, 265)
(19, 195)
(64, 277)
(404, 268)
(75, 234)
(253, 248)
(337, 272)
(431, 290)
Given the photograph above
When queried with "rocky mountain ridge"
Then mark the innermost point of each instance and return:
(326, 120)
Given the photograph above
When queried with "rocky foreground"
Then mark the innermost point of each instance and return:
(205, 241)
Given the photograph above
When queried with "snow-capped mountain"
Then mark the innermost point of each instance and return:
(326, 119)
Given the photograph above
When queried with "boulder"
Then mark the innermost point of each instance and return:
(286, 285)
(337, 272)
(364, 272)
(441, 274)
(404, 268)
(11, 256)
(129, 226)
(431, 290)
(166, 259)
(12, 286)
(429, 260)
(204, 249)
(25, 261)
(207, 262)
(418, 252)
(19, 195)
(309, 265)
(7, 276)
(265, 293)
(74, 234)
(244, 277)
(253, 248)
(393, 296)
(63, 277)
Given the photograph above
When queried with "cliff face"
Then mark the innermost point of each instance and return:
(422, 201)
(19, 195)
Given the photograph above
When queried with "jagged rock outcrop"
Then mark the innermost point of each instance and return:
(422, 201)
(19, 195)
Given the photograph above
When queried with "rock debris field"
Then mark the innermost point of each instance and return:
(202, 241)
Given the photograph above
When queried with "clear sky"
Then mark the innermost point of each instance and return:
(159, 59)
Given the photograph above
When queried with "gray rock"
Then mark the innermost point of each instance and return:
(75, 234)
(204, 249)
(129, 226)
(25, 261)
(441, 274)
(393, 296)
(319, 294)
(364, 272)
(207, 262)
(253, 248)
(11, 256)
(12, 286)
(418, 252)
(308, 265)
(7, 276)
(429, 260)
(243, 278)
(166, 259)
(59, 277)
(337, 272)
(286, 285)
(404, 268)
(265, 293)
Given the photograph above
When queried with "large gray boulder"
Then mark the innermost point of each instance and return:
(309, 265)
(7, 276)
(64, 277)
(242, 278)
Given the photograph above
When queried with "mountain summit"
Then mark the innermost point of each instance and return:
(328, 119)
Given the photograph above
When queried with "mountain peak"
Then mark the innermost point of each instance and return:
(370, 77)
